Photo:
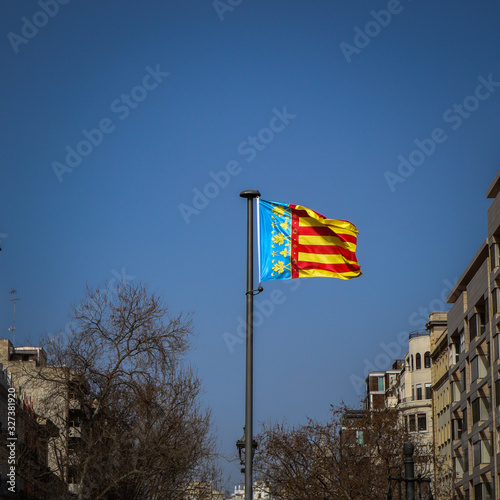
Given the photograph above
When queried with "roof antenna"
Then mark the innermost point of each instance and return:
(13, 327)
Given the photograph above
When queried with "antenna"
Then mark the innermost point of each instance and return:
(13, 327)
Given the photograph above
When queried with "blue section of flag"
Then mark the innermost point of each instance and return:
(275, 231)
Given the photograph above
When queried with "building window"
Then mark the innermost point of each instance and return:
(422, 422)
(418, 361)
(482, 491)
(456, 429)
(427, 359)
(463, 381)
(497, 392)
(478, 367)
(495, 295)
(419, 392)
(411, 362)
(476, 325)
(477, 454)
(494, 255)
(461, 335)
(480, 410)
(381, 384)
(428, 391)
(412, 423)
(458, 467)
(465, 427)
(359, 437)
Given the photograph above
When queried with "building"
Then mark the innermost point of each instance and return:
(378, 384)
(23, 441)
(50, 389)
(474, 353)
(440, 385)
(259, 492)
(414, 386)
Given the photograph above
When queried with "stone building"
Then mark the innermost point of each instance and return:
(474, 344)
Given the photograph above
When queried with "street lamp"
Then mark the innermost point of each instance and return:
(410, 478)
(240, 444)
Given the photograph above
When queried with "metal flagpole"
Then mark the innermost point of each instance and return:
(249, 195)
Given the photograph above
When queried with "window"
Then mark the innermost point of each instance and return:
(477, 454)
(478, 368)
(412, 362)
(428, 391)
(458, 467)
(476, 325)
(412, 423)
(464, 421)
(494, 255)
(463, 381)
(482, 491)
(427, 359)
(496, 345)
(497, 392)
(359, 437)
(381, 384)
(413, 393)
(455, 353)
(422, 422)
(418, 361)
(456, 429)
(466, 459)
(495, 295)
(73, 475)
(419, 392)
(480, 410)
(462, 340)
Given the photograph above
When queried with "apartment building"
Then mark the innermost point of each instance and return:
(377, 387)
(23, 438)
(440, 386)
(50, 390)
(473, 340)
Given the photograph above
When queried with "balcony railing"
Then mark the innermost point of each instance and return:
(419, 333)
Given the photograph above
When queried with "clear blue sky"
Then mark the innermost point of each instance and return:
(348, 105)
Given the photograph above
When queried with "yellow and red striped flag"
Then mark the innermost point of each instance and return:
(297, 242)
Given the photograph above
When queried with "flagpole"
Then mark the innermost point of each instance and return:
(249, 195)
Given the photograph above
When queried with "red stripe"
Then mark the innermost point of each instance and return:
(335, 268)
(326, 231)
(327, 250)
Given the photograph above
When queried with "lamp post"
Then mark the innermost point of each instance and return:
(250, 195)
(410, 478)
(241, 445)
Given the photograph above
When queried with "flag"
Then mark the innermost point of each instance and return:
(297, 242)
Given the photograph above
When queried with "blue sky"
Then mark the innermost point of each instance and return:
(141, 106)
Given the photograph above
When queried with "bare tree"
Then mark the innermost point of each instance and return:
(348, 457)
(128, 406)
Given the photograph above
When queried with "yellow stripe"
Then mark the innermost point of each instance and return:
(312, 273)
(329, 222)
(310, 222)
(305, 239)
(324, 259)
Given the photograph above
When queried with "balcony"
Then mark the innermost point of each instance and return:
(418, 333)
